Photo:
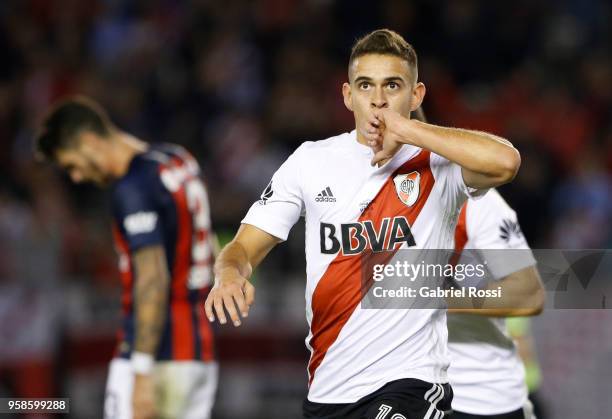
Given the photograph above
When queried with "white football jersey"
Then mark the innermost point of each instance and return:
(351, 208)
(486, 372)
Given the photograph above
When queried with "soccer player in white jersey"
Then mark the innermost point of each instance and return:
(486, 372)
(392, 182)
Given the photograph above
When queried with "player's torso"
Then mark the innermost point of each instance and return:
(178, 207)
(352, 210)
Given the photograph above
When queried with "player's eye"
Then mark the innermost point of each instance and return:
(364, 85)
(393, 85)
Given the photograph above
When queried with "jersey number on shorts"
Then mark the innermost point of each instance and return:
(384, 410)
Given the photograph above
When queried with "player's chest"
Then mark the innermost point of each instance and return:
(352, 191)
(340, 193)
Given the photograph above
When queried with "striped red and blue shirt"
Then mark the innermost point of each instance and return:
(161, 200)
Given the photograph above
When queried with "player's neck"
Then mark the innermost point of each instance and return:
(126, 147)
(361, 139)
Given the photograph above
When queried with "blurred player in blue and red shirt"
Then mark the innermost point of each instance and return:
(161, 225)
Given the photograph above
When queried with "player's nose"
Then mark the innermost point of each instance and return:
(378, 99)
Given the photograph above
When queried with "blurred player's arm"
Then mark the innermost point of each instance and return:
(522, 295)
(150, 300)
(150, 297)
(486, 160)
(233, 268)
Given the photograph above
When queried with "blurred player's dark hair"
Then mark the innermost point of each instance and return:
(385, 42)
(65, 120)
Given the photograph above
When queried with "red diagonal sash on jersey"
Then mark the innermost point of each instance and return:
(339, 290)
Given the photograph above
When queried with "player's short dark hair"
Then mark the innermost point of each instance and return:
(65, 120)
(385, 42)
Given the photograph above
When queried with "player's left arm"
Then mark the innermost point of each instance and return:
(486, 160)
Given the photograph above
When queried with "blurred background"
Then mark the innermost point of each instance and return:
(242, 84)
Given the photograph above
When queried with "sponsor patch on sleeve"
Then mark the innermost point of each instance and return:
(140, 222)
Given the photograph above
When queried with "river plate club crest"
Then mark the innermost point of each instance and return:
(407, 187)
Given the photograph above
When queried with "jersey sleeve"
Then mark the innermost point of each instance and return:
(493, 230)
(137, 211)
(281, 203)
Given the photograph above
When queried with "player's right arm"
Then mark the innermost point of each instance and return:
(232, 290)
(267, 223)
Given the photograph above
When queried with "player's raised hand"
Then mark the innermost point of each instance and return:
(373, 133)
(233, 293)
(391, 130)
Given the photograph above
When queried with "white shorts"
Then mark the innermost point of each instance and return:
(185, 389)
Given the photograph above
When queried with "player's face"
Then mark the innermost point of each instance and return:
(380, 81)
(84, 162)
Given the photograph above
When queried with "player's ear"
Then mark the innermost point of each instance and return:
(346, 94)
(418, 93)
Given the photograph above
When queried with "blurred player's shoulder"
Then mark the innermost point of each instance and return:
(145, 168)
(485, 211)
(140, 178)
(145, 164)
(172, 150)
(166, 153)
(491, 202)
(165, 156)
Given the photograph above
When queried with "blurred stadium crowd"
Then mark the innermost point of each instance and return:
(242, 84)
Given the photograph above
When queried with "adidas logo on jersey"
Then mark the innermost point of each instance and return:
(325, 196)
